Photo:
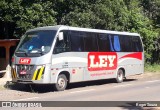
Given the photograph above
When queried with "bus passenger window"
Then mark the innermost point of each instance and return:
(90, 42)
(116, 43)
(110, 42)
(136, 44)
(103, 43)
(62, 45)
(76, 41)
(126, 44)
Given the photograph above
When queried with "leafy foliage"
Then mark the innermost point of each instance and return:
(27, 14)
(121, 15)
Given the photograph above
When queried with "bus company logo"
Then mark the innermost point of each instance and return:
(102, 61)
(24, 60)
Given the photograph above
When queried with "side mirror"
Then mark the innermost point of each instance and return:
(60, 36)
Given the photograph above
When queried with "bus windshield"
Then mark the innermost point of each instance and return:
(36, 43)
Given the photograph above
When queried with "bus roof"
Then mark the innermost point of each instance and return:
(61, 27)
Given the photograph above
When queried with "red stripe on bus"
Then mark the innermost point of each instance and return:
(137, 55)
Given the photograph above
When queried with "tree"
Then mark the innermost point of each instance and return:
(26, 15)
(8, 12)
(151, 9)
(121, 15)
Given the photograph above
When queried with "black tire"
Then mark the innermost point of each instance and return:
(61, 83)
(120, 76)
(2, 75)
(31, 87)
(27, 85)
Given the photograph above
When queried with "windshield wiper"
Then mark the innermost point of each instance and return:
(37, 51)
(32, 53)
(21, 53)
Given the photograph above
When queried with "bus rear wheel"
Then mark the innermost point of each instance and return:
(61, 83)
(120, 75)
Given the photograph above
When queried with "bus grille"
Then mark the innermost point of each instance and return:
(27, 76)
(27, 69)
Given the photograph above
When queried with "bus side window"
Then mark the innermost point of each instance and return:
(103, 43)
(110, 42)
(125, 42)
(114, 43)
(62, 45)
(77, 44)
(136, 44)
(90, 42)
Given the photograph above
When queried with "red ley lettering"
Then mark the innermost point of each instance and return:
(102, 61)
(24, 60)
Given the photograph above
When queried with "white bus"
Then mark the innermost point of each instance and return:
(60, 55)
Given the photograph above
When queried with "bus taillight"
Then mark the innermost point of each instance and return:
(12, 59)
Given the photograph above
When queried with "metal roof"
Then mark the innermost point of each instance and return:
(60, 27)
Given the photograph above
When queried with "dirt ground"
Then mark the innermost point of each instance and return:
(140, 77)
(24, 92)
(146, 76)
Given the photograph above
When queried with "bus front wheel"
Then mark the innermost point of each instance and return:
(61, 83)
(120, 75)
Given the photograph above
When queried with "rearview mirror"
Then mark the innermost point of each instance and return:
(60, 36)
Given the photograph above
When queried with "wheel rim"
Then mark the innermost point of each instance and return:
(120, 75)
(61, 83)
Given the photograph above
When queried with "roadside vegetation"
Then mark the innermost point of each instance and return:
(140, 16)
(154, 68)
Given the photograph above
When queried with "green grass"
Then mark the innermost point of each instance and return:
(152, 68)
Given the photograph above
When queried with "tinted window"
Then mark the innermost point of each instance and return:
(114, 43)
(37, 40)
(36, 43)
(90, 42)
(126, 44)
(136, 44)
(77, 43)
(62, 45)
(103, 42)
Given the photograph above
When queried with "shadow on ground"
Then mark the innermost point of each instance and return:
(95, 83)
(50, 87)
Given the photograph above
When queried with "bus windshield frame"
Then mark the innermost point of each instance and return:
(36, 43)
